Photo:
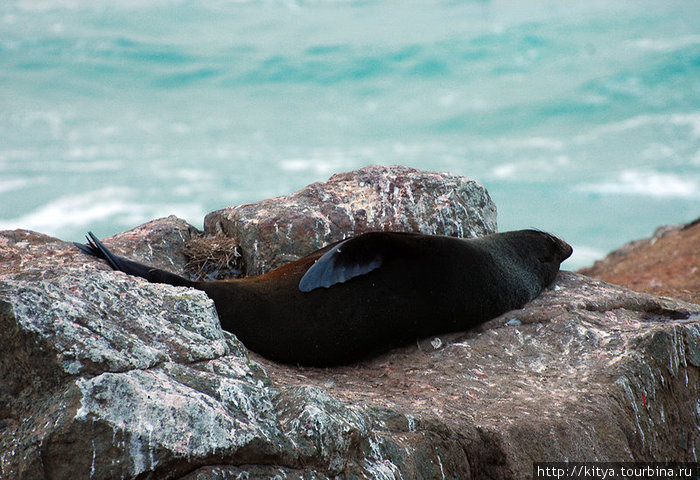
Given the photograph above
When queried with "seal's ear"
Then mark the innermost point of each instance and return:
(353, 257)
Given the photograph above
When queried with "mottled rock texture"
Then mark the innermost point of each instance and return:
(106, 376)
(667, 263)
(277, 231)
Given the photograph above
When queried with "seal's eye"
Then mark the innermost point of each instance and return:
(546, 258)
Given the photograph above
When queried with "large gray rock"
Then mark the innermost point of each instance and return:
(107, 376)
(277, 231)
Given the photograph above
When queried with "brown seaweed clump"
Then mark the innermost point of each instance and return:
(214, 258)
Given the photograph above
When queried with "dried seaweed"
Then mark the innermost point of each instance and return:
(214, 258)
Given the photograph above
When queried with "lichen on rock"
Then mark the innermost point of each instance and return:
(107, 376)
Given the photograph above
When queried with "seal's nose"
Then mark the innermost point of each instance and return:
(565, 249)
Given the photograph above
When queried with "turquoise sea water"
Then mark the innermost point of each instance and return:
(581, 118)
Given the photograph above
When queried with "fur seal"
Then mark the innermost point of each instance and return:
(366, 294)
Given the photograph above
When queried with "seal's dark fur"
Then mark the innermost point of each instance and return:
(374, 291)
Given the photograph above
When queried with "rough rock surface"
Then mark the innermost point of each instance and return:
(106, 376)
(668, 263)
(277, 231)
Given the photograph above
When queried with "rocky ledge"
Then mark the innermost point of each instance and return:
(107, 376)
(667, 263)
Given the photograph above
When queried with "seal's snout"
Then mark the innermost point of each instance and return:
(560, 250)
(565, 249)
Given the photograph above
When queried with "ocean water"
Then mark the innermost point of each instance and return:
(581, 118)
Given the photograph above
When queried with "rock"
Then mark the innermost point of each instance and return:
(668, 263)
(277, 231)
(593, 372)
(107, 376)
(159, 243)
(30, 255)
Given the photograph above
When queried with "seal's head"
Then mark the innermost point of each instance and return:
(549, 250)
(537, 252)
(555, 249)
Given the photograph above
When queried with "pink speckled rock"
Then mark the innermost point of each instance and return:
(276, 231)
(104, 376)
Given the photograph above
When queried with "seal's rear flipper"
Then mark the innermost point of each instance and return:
(97, 249)
(88, 249)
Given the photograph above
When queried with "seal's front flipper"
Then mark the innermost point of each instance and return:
(354, 257)
(97, 249)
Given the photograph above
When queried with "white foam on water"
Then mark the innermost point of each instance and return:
(665, 44)
(530, 168)
(691, 120)
(297, 164)
(680, 120)
(84, 209)
(541, 143)
(13, 184)
(501, 145)
(656, 150)
(647, 183)
(94, 166)
(506, 170)
(73, 210)
(43, 6)
(324, 162)
(191, 175)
